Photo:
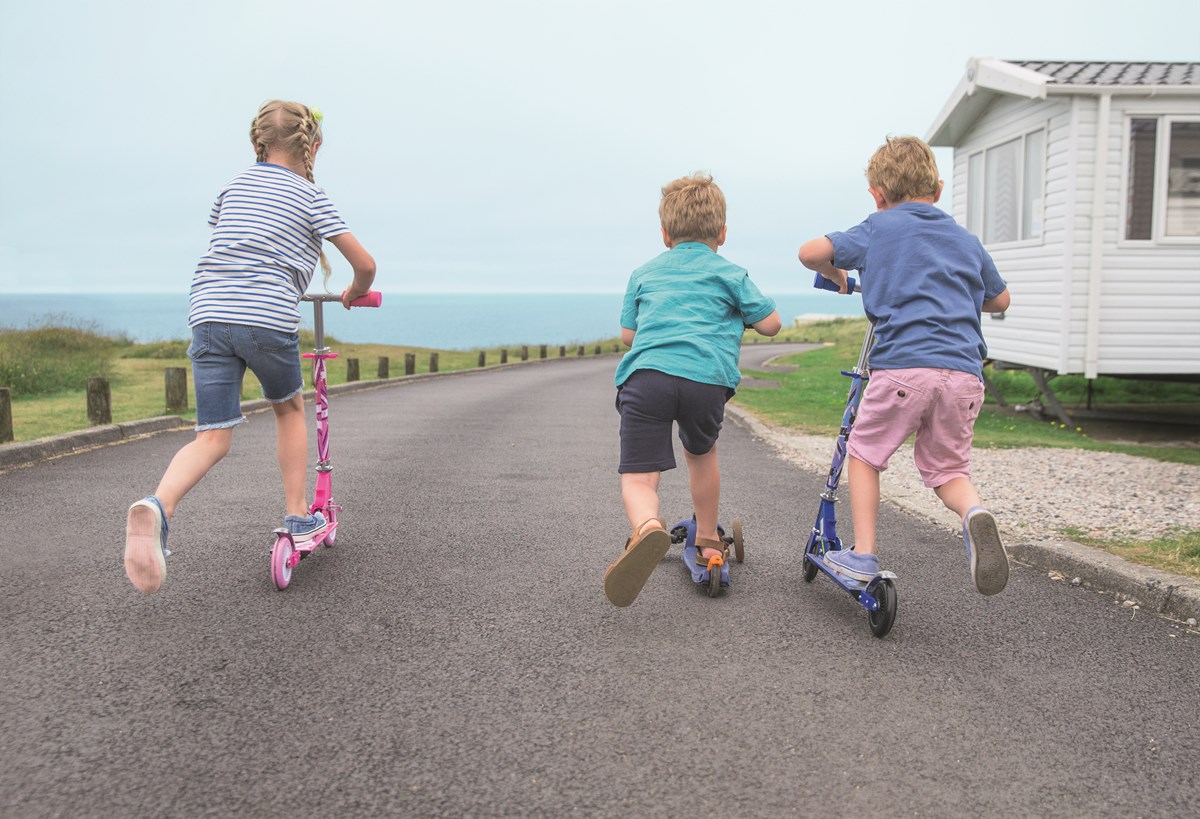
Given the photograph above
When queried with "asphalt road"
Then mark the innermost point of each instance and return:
(454, 654)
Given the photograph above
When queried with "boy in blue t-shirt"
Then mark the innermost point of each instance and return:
(925, 281)
(684, 316)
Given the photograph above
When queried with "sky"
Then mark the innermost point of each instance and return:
(491, 145)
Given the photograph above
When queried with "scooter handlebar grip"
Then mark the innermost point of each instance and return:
(822, 283)
(373, 299)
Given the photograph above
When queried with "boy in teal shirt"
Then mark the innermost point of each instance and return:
(684, 316)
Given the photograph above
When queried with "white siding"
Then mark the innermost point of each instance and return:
(1031, 332)
(1149, 300)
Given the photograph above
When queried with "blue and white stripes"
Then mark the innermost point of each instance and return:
(268, 223)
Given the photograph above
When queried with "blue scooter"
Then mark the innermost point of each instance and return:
(878, 596)
(712, 572)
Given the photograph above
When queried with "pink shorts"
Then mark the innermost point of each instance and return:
(940, 406)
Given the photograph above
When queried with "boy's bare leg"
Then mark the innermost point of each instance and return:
(959, 495)
(704, 478)
(190, 464)
(639, 493)
(864, 503)
(291, 448)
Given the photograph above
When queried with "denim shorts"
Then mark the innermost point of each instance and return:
(220, 354)
(939, 405)
(650, 402)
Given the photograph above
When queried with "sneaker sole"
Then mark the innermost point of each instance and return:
(144, 562)
(625, 578)
(989, 559)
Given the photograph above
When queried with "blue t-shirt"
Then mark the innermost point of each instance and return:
(689, 308)
(924, 281)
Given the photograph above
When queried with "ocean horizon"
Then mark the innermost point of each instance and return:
(448, 321)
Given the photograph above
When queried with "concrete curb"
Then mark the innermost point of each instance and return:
(1151, 590)
(27, 453)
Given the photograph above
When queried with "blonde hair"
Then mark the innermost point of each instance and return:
(292, 128)
(692, 209)
(904, 168)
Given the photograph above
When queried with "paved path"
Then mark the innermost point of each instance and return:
(454, 654)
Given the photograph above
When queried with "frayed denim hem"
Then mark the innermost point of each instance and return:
(220, 424)
(289, 397)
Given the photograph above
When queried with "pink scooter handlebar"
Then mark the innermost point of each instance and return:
(373, 299)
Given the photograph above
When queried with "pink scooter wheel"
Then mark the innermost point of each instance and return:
(281, 554)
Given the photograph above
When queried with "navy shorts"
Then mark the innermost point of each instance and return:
(650, 401)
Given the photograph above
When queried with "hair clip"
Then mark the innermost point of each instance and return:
(316, 114)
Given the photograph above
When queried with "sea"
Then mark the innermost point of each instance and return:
(446, 321)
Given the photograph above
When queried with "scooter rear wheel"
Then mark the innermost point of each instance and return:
(882, 619)
(739, 545)
(281, 554)
(810, 569)
(714, 581)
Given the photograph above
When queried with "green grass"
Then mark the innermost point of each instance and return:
(812, 399)
(48, 368)
(1178, 553)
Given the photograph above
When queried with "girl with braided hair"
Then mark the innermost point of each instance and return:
(268, 224)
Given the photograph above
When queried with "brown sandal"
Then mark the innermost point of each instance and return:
(716, 561)
(644, 550)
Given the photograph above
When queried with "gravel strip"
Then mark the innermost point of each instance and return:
(1040, 491)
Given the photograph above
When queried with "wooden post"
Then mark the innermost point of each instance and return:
(580, 350)
(410, 363)
(597, 349)
(351, 369)
(616, 348)
(175, 379)
(562, 351)
(503, 355)
(524, 352)
(542, 351)
(482, 358)
(433, 362)
(99, 402)
(384, 367)
(6, 425)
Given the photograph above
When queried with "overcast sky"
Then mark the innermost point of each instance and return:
(491, 145)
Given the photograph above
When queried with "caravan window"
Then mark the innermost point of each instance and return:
(1162, 185)
(1004, 189)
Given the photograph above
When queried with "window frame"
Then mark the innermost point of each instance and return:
(1162, 167)
(1021, 176)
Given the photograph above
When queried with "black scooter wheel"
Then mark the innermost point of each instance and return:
(882, 619)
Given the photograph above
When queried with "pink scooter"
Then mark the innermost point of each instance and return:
(288, 551)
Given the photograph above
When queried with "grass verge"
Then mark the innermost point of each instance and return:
(136, 381)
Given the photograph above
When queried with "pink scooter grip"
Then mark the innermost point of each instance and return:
(373, 299)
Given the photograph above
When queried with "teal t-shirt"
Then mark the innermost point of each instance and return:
(689, 308)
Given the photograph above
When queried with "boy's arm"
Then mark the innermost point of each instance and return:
(817, 255)
(362, 263)
(627, 336)
(998, 303)
(769, 326)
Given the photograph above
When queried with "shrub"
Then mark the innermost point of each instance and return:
(50, 359)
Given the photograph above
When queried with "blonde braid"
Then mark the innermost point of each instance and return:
(310, 127)
(296, 135)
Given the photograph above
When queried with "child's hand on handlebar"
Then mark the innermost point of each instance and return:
(351, 293)
(839, 277)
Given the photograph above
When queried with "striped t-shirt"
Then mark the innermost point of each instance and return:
(268, 223)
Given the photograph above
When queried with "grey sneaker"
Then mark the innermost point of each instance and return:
(146, 544)
(985, 550)
(851, 564)
(305, 527)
